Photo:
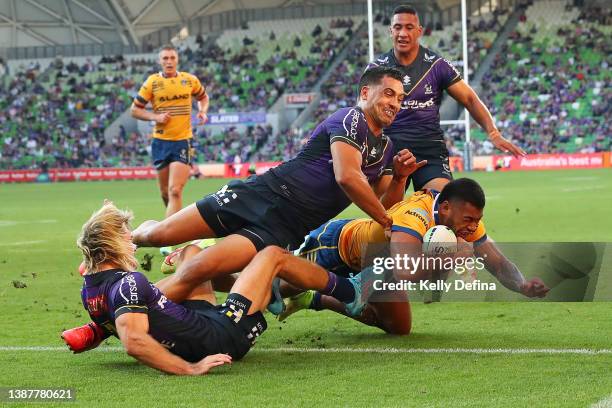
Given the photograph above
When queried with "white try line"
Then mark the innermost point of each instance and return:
(358, 350)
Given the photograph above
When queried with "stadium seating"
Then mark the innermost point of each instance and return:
(550, 87)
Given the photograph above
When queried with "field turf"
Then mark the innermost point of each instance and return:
(521, 354)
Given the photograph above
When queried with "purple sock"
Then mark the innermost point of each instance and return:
(340, 288)
(316, 302)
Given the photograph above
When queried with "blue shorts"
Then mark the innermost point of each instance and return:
(165, 152)
(321, 247)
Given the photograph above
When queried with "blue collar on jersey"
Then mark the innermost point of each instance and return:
(434, 207)
(164, 75)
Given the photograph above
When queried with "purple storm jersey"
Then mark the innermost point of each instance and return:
(308, 179)
(424, 82)
(109, 294)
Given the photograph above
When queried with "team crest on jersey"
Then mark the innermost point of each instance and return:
(183, 82)
(428, 90)
(407, 80)
(429, 58)
(373, 152)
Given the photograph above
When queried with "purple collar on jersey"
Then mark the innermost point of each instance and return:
(99, 277)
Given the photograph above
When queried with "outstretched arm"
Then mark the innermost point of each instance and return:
(507, 272)
(465, 95)
(133, 331)
(391, 189)
(347, 170)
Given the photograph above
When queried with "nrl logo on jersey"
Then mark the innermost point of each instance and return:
(429, 58)
(407, 80)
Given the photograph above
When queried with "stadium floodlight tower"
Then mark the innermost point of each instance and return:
(467, 155)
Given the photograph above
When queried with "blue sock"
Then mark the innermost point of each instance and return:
(339, 288)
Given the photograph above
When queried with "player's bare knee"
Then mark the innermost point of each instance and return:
(273, 253)
(175, 192)
(196, 270)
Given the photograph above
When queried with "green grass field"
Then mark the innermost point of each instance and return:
(527, 355)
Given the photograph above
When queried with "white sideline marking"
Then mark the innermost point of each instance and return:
(604, 403)
(587, 178)
(583, 188)
(10, 223)
(20, 243)
(359, 350)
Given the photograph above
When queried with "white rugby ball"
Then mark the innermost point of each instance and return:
(439, 240)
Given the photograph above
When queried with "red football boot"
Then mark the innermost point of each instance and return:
(83, 338)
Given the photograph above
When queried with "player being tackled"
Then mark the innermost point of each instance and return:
(195, 335)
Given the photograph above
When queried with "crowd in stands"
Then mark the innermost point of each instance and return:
(547, 94)
(553, 94)
(58, 115)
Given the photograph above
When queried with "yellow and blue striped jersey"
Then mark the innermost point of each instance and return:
(414, 215)
(174, 95)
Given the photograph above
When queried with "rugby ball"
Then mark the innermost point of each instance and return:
(439, 240)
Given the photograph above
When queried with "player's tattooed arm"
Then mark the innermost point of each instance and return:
(133, 331)
(507, 273)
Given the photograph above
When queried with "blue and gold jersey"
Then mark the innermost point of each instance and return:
(173, 95)
(413, 215)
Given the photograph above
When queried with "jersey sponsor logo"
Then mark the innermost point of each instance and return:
(173, 97)
(452, 66)
(419, 214)
(428, 90)
(414, 104)
(429, 58)
(352, 131)
(133, 288)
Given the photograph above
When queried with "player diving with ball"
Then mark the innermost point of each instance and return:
(340, 246)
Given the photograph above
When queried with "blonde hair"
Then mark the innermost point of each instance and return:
(102, 239)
